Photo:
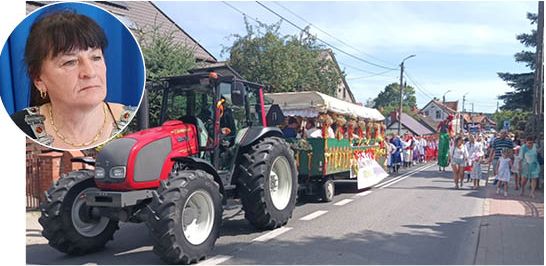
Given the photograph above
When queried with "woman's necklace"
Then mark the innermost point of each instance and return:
(67, 141)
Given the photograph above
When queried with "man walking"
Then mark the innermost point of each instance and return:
(500, 143)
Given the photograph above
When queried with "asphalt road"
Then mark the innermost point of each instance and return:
(415, 218)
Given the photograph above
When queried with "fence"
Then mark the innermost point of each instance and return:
(33, 181)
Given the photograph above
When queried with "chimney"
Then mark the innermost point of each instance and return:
(393, 116)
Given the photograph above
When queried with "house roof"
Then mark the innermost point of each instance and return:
(413, 125)
(141, 14)
(448, 107)
(428, 122)
(477, 119)
(328, 53)
(222, 68)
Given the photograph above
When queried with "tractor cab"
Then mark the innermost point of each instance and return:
(222, 109)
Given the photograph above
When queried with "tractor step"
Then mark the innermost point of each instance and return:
(116, 199)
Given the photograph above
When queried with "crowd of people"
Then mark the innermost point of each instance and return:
(503, 153)
(409, 150)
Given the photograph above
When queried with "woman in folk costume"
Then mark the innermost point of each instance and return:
(396, 158)
(408, 148)
(446, 130)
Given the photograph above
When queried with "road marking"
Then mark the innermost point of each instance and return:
(361, 194)
(272, 234)
(384, 184)
(392, 183)
(140, 249)
(215, 260)
(343, 202)
(313, 215)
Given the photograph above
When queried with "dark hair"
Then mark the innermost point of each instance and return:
(530, 138)
(55, 33)
(292, 120)
(517, 142)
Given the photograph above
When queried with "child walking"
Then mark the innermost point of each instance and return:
(504, 171)
(516, 164)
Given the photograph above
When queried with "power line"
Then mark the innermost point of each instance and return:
(418, 84)
(328, 44)
(323, 31)
(372, 75)
(241, 12)
(423, 92)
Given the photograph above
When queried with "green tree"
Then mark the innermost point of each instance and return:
(389, 99)
(285, 63)
(522, 83)
(164, 56)
(517, 118)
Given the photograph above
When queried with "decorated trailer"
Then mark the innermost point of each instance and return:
(354, 150)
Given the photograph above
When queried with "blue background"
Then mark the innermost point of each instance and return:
(124, 63)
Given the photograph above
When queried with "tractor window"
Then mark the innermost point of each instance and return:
(177, 105)
(255, 107)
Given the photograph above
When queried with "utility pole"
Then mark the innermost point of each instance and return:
(538, 101)
(463, 102)
(401, 93)
(497, 106)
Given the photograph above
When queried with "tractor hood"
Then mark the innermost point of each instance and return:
(140, 160)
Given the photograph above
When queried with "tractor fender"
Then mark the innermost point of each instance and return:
(198, 163)
(253, 134)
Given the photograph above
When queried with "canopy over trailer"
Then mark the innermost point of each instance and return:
(312, 103)
(322, 160)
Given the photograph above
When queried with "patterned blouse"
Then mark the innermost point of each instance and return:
(32, 123)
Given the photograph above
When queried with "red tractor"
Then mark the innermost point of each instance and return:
(214, 144)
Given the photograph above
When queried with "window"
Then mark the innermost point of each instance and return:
(426, 113)
(438, 115)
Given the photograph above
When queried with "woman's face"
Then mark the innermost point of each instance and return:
(76, 78)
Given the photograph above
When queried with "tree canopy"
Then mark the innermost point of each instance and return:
(522, 96)
(388, 99)
(285, 63)
(164, 56)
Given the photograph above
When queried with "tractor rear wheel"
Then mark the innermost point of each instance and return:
(268, 185)
(68, 222)
(186, 217)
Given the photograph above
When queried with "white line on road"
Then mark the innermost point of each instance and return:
(392, 183)
(343, 202)
(402, 176)
(140, 249)
(272, 234)
(215, 260)
(361, 194)
(313, 215)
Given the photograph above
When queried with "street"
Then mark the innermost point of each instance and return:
(414, 218)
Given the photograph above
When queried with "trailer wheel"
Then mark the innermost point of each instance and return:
(67, 221)
(186, 217)
(328, 190)
(267, 179)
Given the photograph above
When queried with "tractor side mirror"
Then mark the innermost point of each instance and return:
(238, 93)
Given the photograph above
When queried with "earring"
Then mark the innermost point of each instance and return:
(43, 94)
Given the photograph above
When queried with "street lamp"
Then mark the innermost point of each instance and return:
(401, 91)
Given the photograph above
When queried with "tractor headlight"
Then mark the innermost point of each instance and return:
(99, 172)
(117, 172)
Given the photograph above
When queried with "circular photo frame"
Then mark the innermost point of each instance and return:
(72, 76)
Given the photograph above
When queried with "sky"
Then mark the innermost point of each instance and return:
(459, 46)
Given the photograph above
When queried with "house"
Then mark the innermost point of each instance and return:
(343, 92)
(45, 166)
(408, 125)
(436, 111)
(480, 120)
(137, 15)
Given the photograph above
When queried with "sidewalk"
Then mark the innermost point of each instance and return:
(512, 228)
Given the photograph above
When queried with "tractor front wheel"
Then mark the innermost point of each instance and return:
(186, 217)
(68, 223)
